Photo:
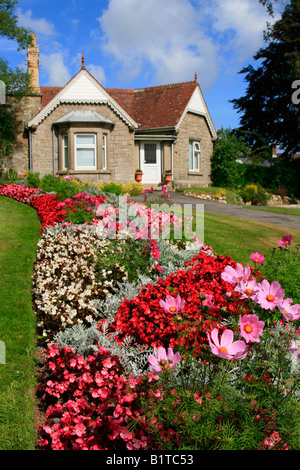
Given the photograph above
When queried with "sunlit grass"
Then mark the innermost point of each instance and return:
(19, 233)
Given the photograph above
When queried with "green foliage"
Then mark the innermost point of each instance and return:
(115, 188)
(255, 194)
(9, 177)
(9, 24)
(225, 172)
(227, 405)
(133, 255)
(284, 266)
(267, 107)
(62, 187)
(33, 180)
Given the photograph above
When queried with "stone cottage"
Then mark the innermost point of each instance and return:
(102, 134)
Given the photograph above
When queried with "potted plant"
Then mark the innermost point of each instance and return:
(138, 175)
(168, 177)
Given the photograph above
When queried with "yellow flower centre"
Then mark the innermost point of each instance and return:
(248, 328)
(249, 291)
(223, 349)
(270, 298)
(172, 309)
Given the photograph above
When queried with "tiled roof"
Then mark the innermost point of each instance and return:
(155, 107)
(152, 107)
(48, 93)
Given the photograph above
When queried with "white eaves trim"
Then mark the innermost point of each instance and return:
(197, 105)
(82, 88)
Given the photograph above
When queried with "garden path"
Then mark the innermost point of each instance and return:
(235, 210)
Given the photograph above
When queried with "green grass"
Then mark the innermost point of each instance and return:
(19, 234)
(239, 237)
(280, 210)
(207, 190)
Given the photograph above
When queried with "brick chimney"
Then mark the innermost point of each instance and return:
(33, 64)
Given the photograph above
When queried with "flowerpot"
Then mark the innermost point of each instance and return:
(138, 177)
(168, 178)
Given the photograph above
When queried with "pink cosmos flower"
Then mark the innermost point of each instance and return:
(208, 301)
(248, 289)
(257, 258)
(171, 304)
(285, 240)
(270, 295)
(251, 328)
(164, 360)
(234, 276)
(290, 312)
(226, 347)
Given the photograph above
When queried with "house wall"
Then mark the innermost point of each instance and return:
(192, 127)
(24, 109)
(121, 164)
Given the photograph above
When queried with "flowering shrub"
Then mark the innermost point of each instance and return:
(144, 319)
(48, 209)
(90, 403)
(223, 372)
(80, 208)
(66, 279)
(15, 191)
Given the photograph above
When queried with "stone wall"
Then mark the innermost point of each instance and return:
(120, 158)
(193, 127)
(25, 109)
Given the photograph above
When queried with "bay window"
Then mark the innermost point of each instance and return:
(85, 152)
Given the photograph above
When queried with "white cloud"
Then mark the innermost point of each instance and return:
(97, 72)
(171, 39)
(242, 23)
(38, 26)
(163, 36)
(57, 71)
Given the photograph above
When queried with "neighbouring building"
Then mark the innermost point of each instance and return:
(102, 134)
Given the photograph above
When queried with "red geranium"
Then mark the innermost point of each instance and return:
(143, 318)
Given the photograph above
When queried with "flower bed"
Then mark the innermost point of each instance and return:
(181, 350)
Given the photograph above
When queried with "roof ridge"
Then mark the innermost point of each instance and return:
(50, 86)
(166, 85)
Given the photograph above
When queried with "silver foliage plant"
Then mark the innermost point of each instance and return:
(86, 340)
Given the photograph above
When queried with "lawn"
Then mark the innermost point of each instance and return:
(19, 233)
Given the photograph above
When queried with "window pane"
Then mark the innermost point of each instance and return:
(66, 152)
(191, 155)
(83, 139)
(150, 153)
(104, 152)
(85, 157)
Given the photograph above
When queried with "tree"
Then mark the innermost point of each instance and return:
(225, 171)
(17, 82)
(267, 107)
(9, 24)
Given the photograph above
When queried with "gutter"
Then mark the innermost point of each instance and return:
(53, 153)
(30, 148)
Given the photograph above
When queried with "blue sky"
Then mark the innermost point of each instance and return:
(139, 43)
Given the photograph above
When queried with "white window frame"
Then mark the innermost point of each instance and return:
(85, 146)
(65, 138)
(104, 151)
(196, 152)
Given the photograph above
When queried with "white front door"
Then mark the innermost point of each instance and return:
(150, 157)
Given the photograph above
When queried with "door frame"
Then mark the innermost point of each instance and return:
(158, 160)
